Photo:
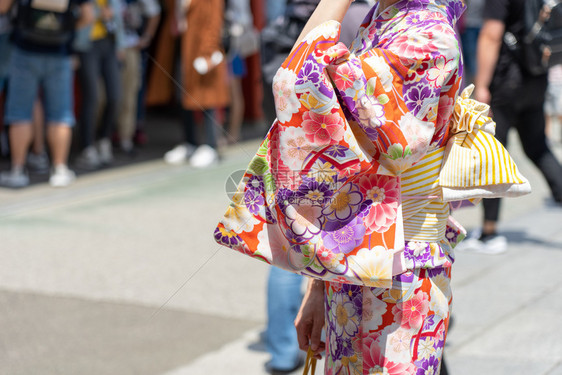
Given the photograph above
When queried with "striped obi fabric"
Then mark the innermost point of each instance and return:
(424, 213)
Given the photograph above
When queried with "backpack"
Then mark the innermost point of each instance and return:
(48, 23)
(540, 43)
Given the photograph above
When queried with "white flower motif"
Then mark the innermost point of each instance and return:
(294, 147)
(440, 71)
(345, 315)
(327, 30)
(440, 295)
(285, 96)
(373, 266)
(304, 220)
(371, 113)
(426, 348)
(271, 240)
(382, 70)
(418, 133)
(373, 309)
(396, 339)
(239, 219)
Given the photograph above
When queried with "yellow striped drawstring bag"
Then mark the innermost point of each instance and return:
(476, 165)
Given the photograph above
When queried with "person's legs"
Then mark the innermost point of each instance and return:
(130, 83)
(284, 297)
(206, 154)
(59, 136)
(25, 73)
(21, 134)
(60, 117)
(110, 74)
(185, 150)
(504, 118)
(531, 128)
(88, 75)
(210, 122)
(189, 127)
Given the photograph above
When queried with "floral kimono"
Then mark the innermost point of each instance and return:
(345, 187)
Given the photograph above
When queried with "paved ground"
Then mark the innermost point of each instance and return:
(119, 274)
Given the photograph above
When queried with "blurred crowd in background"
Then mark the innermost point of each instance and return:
(77, 76)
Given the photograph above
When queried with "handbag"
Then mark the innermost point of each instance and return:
(476, 165)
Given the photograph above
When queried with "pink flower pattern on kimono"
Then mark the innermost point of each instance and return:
(345, 76)
(412, 311)
(322, 129)
(439, 72)
(384, 192)
(374, 361)
(414, 45)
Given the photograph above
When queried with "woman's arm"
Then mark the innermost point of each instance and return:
(327, 10)
(488, 50)
(310, 319)
(5, 6)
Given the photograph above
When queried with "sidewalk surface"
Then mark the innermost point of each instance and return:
(119, 274)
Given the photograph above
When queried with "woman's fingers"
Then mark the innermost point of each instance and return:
(316, 331)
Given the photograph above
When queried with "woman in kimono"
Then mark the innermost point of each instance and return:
(352, 182)
(407, 58)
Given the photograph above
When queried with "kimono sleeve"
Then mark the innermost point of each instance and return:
(400, 95)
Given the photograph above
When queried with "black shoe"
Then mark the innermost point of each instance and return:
(290, 371)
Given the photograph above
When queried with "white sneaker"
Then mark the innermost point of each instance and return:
(127, 146)
(38, 163)
(89, 158)
(492, 245)
(204, 156)
(61, 176)
(179, 154)
(105, 150)
(15, 178)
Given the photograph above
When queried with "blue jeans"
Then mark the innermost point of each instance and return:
(30, 71)
(469, 40)
(284, 297)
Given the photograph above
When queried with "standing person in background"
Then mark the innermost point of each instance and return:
(516, 99)
(136, 38)
(98, 61)
(203, 77)
(41, 60)
(553, 102)
(472, 18)
(240, 41)
(5, 31)
(5, 47)
(275, 9)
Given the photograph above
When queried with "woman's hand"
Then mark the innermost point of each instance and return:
(310, 319)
